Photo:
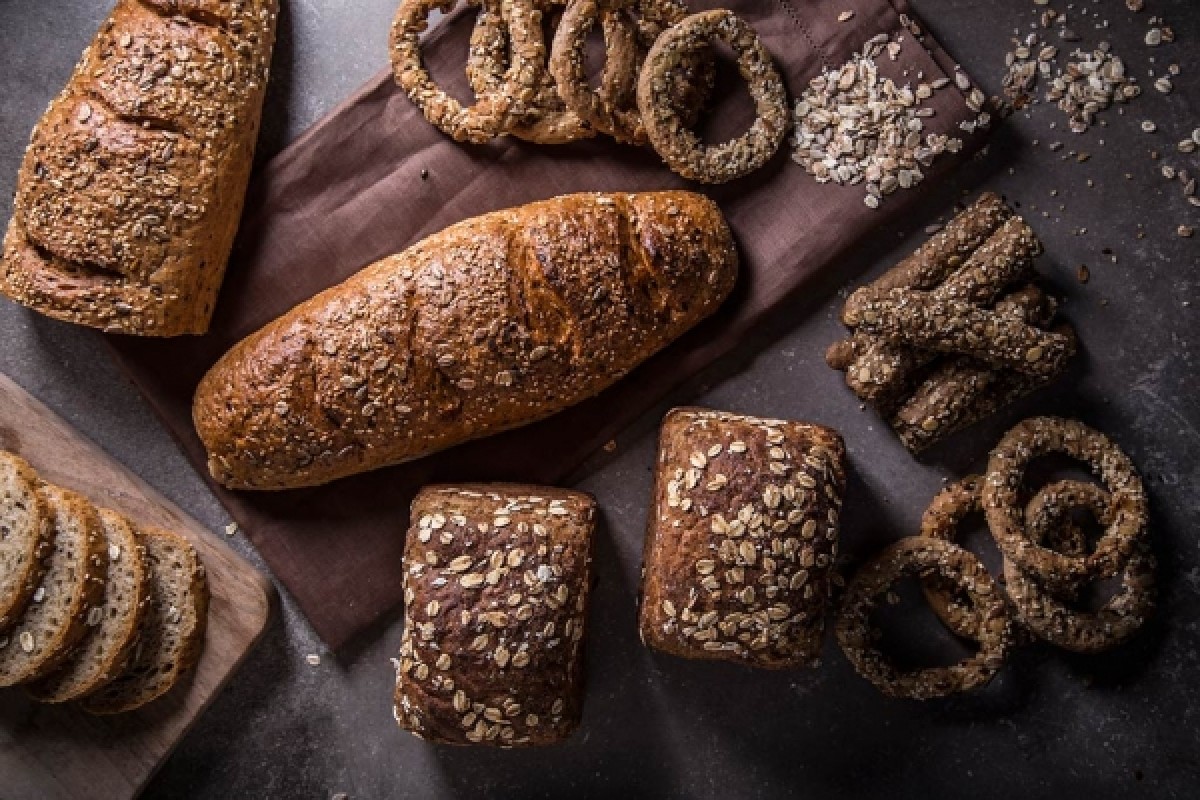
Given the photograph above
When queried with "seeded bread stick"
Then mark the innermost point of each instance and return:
(951, 390)
(959, 394)
(921, 320)
(944, 253)
(882, 372)
(844, 352)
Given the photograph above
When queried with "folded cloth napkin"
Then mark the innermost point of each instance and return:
(374, 177)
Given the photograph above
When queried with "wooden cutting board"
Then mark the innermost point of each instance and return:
(51, 752)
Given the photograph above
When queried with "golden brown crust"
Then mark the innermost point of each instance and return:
(742, 538)
(496, 585)
(493, 323)
(132, 186)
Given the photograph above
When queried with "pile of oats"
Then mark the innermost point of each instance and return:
(1089, 84)
(855, 127)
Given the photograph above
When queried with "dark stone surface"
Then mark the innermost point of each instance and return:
(1118, 725)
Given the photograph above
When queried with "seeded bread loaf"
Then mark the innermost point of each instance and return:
(26, 536)
(132, 186)
(171, 633)
(73, 584)
(105, 649)
(496, 585)
(491, 324)
(742, 537)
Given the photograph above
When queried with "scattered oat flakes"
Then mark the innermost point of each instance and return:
(845, 16)
(313, 659)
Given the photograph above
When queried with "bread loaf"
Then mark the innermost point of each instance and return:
(131, 189)
(493, 323)
(496, 585)
(742, 537)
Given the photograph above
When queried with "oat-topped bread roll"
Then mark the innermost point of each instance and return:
(491, 324)
(496, 583)
(131, 190)
(742, 538)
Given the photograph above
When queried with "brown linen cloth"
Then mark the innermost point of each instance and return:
(351, 190)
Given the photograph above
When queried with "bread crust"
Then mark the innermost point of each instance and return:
(132, 186)
(742, 538)
(494, 323)
(497, 579)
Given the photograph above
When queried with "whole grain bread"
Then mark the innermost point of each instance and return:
(26, 536)
(131, 189)
(171, 633)
(496, 586)
(742, 538)
(105, 649)
(491, 324)
(72, 586)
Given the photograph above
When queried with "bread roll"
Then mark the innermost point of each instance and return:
(494, 323)
(130, 193)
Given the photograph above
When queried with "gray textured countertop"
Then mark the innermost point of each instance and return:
(1124, 724)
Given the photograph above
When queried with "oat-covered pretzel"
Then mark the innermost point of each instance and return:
(546, 119)
(920, 320)
(924, 557)
(1002, 495)
(943, 520)
(1049, 614)
(680, 147)
(485, 119)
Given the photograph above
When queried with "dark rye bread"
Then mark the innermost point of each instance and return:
(131, 189)
(496, 585)
(171, 633)
(494, 323)
(112, 628)
(742, 538)
(73, 584)
(26, 534)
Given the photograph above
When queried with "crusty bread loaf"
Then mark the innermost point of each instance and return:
(26, 536)
(493, 323)
(170, 637)
(112, 627)
(496, 585)
(72, 586)
(742, 537)
(131, 190)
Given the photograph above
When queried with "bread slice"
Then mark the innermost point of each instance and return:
(105, 650)
(26, 532)
(72, 586)
(171, 635)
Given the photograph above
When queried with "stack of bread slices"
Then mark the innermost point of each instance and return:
(93, 607)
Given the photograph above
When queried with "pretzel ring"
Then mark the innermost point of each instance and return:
(693, 81)
(679, 146)
(609, 110)
(484, 120)
(546, 119)
(1048, 614)
(1002, 490)
(922, 557)
(942, 520)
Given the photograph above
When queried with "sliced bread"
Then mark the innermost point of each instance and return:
(171, 635)
(26, 531)
(109, 643)
(73, 584)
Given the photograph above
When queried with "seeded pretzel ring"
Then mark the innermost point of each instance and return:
(1040, 436)
(680, 147)
(546, 119)
(607, 110)
(1048, 613)
(924, 557)
(943, 520)
(484, 120)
